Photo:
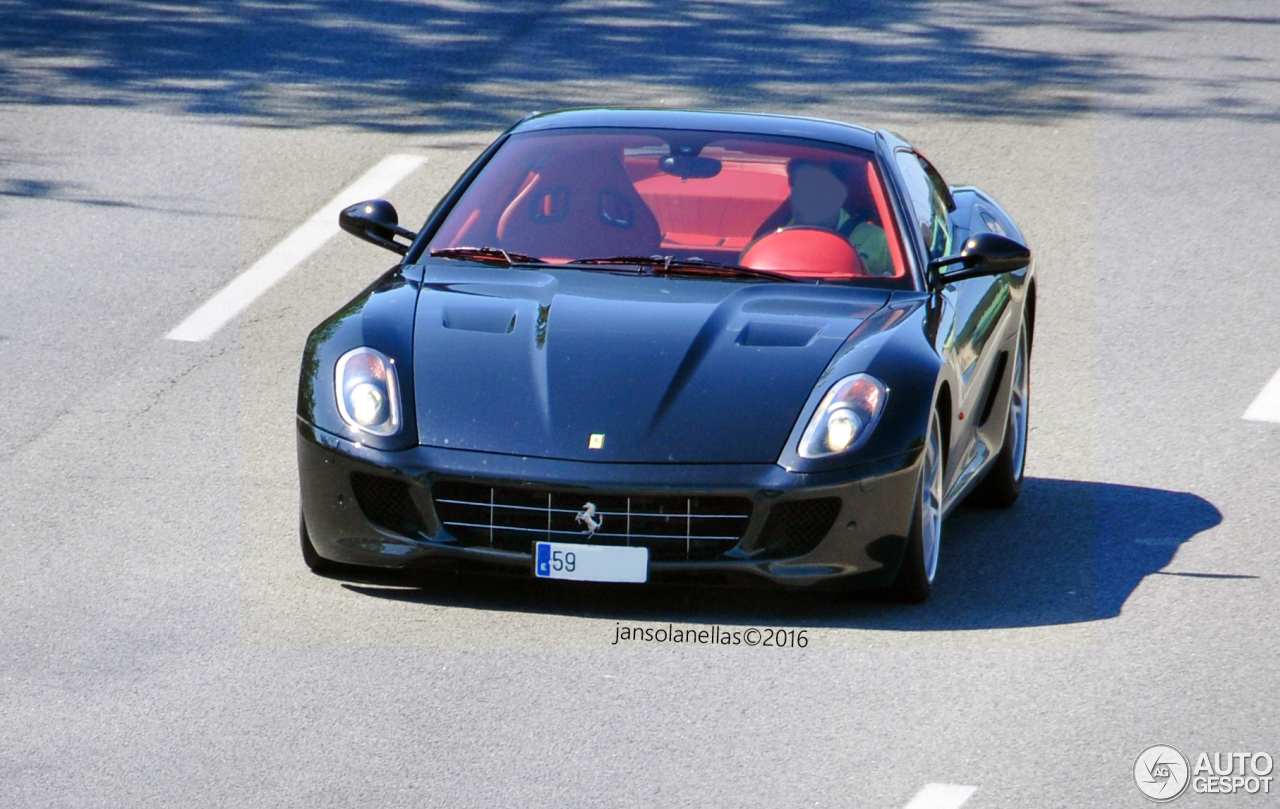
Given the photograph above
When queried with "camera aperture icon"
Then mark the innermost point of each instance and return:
(1161, 772)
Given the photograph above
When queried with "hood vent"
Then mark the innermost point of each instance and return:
(494, 320)
(778, 335)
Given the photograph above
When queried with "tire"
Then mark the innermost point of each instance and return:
(914, 582)
(313, 560)
(1003, 483)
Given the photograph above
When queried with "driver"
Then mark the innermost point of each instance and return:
(817, 200)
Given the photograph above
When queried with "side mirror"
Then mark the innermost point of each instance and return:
(985, 254)
(376, 222)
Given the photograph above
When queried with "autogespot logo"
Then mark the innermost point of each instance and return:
(1161, 772)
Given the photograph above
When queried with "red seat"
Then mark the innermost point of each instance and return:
(805, 252)
(580, 204)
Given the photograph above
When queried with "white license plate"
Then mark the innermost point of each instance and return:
(562, 560)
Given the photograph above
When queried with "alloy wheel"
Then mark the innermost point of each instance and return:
(931, 500)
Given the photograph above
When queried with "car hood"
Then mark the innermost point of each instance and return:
(665, 370)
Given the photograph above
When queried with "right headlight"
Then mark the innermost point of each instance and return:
(368, 392)
(845, 417)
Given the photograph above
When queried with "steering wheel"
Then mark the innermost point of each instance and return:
(804, 251)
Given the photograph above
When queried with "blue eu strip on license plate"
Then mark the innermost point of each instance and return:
(564, 560)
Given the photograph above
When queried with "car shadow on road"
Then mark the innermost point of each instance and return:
(1070, 551)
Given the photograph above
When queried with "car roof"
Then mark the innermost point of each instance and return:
(740, 122)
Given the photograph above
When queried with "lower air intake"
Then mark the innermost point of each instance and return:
(387, 503)
(797, 526)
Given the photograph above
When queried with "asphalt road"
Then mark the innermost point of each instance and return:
(161, 643)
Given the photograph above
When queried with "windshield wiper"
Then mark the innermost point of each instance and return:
(668, 264)
(486, 254)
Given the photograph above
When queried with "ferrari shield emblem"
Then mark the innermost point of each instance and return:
(596, 441)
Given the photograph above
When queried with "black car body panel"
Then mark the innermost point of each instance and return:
(667, 371)
(700, 386)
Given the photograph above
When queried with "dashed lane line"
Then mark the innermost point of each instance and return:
(236, 296)
(1266, 407)
(941, 796)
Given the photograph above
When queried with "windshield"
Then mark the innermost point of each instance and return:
(795, 207)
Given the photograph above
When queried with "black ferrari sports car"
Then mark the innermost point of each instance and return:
(641, 345)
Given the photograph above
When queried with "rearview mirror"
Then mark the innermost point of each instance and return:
(376, 222)
(686, 166)
(985, 253)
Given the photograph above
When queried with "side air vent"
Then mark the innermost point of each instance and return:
(797, 526)
(993, 387)
(387, 503)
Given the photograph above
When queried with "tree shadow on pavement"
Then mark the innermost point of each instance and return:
(1068, 552)
(442, 65)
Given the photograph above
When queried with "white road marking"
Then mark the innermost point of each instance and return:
(941, 796)
(236, 296)
(1267, 406)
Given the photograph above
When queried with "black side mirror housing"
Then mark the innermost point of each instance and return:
(376, 222)
(985, 253)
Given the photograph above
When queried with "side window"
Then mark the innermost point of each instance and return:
(928, 206)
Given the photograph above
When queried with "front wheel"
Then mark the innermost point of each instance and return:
(1003, 483)
(915, 578)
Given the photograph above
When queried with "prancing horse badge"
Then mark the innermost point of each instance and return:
(589, 518)
(596, 441)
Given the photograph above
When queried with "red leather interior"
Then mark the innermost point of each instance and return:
(599, 215)
(722, 211)
(594, 195)
(805, 252)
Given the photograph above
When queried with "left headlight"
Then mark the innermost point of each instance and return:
(845, 417)
(368, 391)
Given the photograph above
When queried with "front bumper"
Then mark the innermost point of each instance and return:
(863, 547)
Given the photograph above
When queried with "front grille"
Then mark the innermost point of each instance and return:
(387, 503)
(797, 526)
(672, 528)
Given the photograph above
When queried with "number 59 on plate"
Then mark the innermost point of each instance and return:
(563, 560)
